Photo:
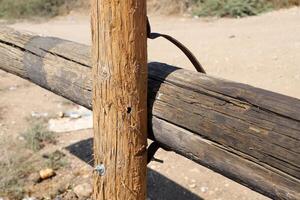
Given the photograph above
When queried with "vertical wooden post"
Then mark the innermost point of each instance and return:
(119, 98)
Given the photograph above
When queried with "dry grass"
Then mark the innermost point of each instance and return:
(168, 6)
(19, 9)
(238, 8)
(1, 113)
(284, 3)
(37, 135)
(19, 159)
(55, 160)
(229, 8)
(15, 165)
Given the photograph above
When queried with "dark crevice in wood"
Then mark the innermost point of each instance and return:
(194, 90)
(230, 150)
(241, 99)
(64, 57)
(236, 148)
(267, 110)
(227, 114)
(254, 107)
(234, 118)
(18, 47)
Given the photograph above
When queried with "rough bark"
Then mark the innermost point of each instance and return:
(245, 133)
(119, 59)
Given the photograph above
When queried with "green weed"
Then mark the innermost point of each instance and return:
(55, 160)
(37, 135)
(14, 167)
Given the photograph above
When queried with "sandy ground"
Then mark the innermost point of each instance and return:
(262, 51)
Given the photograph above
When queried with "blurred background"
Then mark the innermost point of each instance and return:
(20, 9)
(255, 42)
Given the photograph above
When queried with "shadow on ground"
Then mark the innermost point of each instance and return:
(159, 186)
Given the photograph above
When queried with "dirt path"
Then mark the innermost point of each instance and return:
(263, 51)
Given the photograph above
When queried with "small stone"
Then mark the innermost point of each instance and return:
(192, 186)
(61, 114)
(74, 115)
(29, 198)
(39, 115)
(70, 196)
(12, 88)
(204, 189)
(194, 170)
(61, 190)
(21, 138)
(153, 167)
(46, 173)
(83, 190)
(34, 177)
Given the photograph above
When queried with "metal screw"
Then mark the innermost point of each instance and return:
(100, 169)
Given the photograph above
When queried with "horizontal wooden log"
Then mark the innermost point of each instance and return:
(247, 134)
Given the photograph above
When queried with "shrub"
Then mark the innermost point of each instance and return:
(231, 8)
(37, 136)
(284, 3)
(19, 9)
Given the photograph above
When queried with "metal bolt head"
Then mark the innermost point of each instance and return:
(100, 169)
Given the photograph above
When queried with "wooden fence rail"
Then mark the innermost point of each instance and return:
(247, 134)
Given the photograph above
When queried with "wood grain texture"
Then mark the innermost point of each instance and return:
(119, 60)
(245, 133)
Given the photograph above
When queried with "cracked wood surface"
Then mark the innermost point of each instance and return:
(119, 71)
(247, 134)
